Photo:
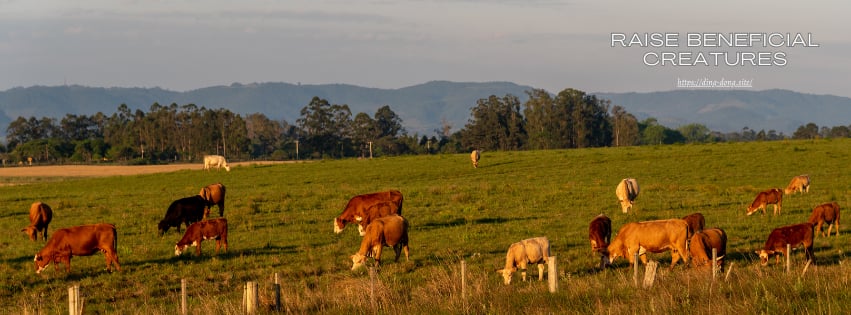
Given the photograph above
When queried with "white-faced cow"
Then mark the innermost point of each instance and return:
(216, 229)
(390, 231)
(84, 240)
(183, 211)
(216, 161)
(701, 245)
(800, 183)
(40, 216)
(474, 157)
(650, 236)
(794, 235)
(214, 194)
(764, 198)
(360, 207)
(600, 234)
(825, 213)
(627, 191)
(529, 251)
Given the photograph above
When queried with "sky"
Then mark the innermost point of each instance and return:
(549, 44)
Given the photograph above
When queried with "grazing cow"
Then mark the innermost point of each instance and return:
(800, 183)
(214, 194)
(600, 234)
(474, 157)
(826, 213)
(701, 245)
(390, 231)
(529, 251)
(795, 235)
(764, 198)
(650, 236)
(357, 208)
(215, 160)
(183, 211)
(84, 240)
(696, 222)
(627, 191)
(40, 216)
(204, 230)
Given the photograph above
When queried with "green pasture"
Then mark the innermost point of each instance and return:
(280, 221)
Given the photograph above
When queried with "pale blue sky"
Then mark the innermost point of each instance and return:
(184, 45)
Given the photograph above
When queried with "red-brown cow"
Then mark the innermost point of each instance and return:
(600, 234)
(40, 216)
(214, 194)
(795, 235)
(84, 240)
(696, 222)
(357, 208)
(650, 236)
(826, 213)
(199, 231)
(390, 231)
(701, 246)
(764, 198)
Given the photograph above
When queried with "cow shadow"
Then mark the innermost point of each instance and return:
(464, 221)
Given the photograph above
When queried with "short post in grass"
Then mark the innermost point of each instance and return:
(552, 274)
(650, 273)
(464, 283)
(788, 259)
(75, 305)
(635, 268)
(250, 297)
(372, 289)
(183, 296)
(277, 288)
(714, 262)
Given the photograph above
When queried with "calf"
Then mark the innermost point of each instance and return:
(182, 211)
(213, 194)
(600, 233)
(795, 235)
(695, 222)
(84, 240)
(199, 231)
(826, 213)
(529, 251)
(701, 245)
(390, 231)
(800, 183)
(764, 198)
(40, 216)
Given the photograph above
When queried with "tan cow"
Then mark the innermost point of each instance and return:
(701, 246)
(529, 251)
(214, 194)
(794, 235)
(474, 157)
(764, 198)
(600, 234)
(650, 236)
(800, 183)
(826, 213)
(390, 231)
(40, 216)
(627, 191)
(216, 161)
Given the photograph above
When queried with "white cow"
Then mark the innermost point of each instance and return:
(627, 191)
(215, 160)
(529, 251)
(474, 157)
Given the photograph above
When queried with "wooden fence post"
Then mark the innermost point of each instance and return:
(277, 288)
(714, 262)
(372, 290)
(464, 283)
(635, 269)
(183, 296)
(650, 273)
(75, 305)
(250, 297)
(788, 257)
(552, 274)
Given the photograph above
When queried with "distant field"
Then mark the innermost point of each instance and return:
(280, 218)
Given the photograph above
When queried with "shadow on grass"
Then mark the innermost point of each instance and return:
(464, 221)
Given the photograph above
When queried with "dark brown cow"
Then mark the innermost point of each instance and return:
(795, 235)
(701, 246)
(650, 236)
(84, 240)
(182, 211)
(40, 216)
(357, 208)
(826, 213)
(764, 198)
(696, 222)
(390, 231)
(209, 229)
(214, 194)
(600, 234)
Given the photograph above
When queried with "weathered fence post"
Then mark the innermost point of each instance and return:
(714, 262)
(277, 288)
(635, 269)
(183, 296)
(650, 273)
(75, 305)
(788, 257)
(464, 284)
(729, 269)
(250, 297)
(805, 267)
(552, 274)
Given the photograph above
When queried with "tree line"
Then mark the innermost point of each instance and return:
(184, 133)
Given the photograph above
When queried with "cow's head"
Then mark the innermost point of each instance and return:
(507, 274)
(31, 232)
(764, 255)
(358, 261)
(40, 263)
(162, 228)
(339, 224)
(752, 210)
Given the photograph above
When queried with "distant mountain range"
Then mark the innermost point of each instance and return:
(423, 106)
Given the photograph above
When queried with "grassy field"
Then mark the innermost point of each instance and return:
(280, 220)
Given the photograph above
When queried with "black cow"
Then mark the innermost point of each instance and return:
(183, 211)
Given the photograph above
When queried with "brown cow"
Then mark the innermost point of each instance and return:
(84, 240)
(650, 236)
(696, 222)
(800, 183)
(40, 216)
(627, 190)
(701, 245)
(795, 235)
(529, 251)
(209, 229)
(390, 231)
(214, 194)
(600, 234)
(182, 211)
(829, 213)
(356, 209)
(764, 198)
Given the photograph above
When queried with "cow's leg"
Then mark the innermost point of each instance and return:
(522, 266)
(198, 247)
(398, 249)
(376, 254)
(540, 272)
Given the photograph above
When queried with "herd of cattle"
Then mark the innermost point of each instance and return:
(381, 224)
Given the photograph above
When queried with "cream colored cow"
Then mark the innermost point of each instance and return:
(529, 251)
(627, 191)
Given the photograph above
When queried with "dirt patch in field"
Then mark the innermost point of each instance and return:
(108, 170)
